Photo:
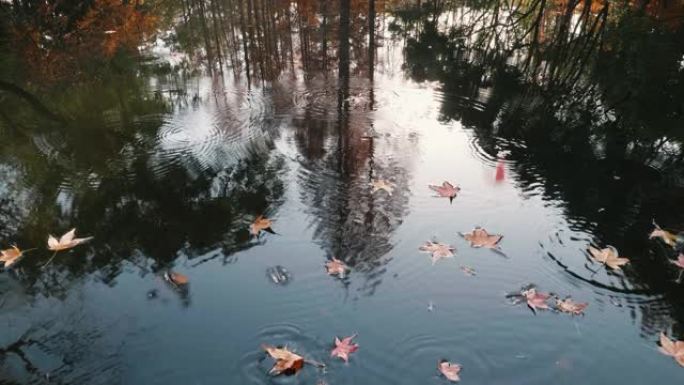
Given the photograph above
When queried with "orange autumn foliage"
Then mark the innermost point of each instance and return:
(53, 46)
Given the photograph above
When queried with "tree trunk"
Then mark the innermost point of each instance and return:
(371, 38)
(245, 39)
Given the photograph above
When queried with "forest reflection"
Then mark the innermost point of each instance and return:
(163, 128)
(584, 98)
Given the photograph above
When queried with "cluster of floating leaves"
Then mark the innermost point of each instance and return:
(537, 300)
(12, 256)
(675, 241)
(288, 362)
(672, 348)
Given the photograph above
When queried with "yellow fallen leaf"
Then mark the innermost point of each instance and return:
(11, 256)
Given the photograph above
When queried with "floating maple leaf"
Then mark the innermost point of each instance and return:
(569, 306)
(679, 262)
(286, 361)
(343, 348)
(382, 184)
(67, 241)
(674, 349)
(336, 267)
(177, 279)
(438, 250)
(667, 237)
(536, 300)
(479, 237)
(260, 224)
(11, 256)
(446, 190)
(608, 257)
(468, 271)
(449, 370)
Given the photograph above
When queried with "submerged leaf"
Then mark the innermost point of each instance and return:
(438, 250)
(260, 224)
(672, 348)
(11, 256)
(467, 270)
(479, 237)
(343, 348)
(382, 184)
(67, 241)
(608, 257)
(177, 279)
(336, 267)
(286, 361)
(569, 306)
(446, 190)
(449, 370)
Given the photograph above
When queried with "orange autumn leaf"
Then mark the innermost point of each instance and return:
(674, 349)
(11, 256)
(479, 237)
(286, 361)
(260, 224)
(177, 279)
(569, 306)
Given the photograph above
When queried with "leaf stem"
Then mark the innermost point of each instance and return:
(314, 363)
(49, 260)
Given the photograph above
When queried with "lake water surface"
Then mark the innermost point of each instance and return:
(560, 142)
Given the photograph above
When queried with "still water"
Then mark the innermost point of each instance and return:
(558, 142)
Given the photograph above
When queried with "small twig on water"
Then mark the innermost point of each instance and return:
(314, 363)
(49, 260)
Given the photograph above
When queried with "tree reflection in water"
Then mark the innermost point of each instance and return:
(163, 165)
